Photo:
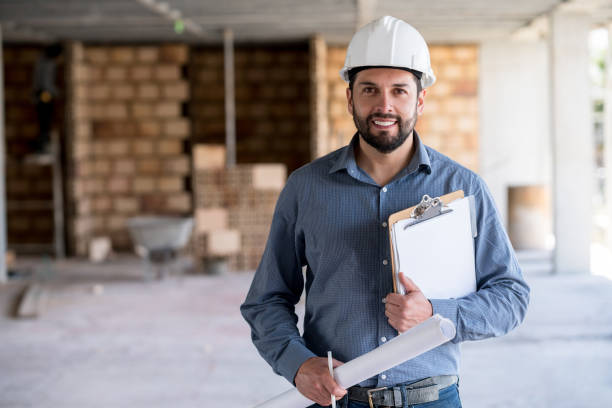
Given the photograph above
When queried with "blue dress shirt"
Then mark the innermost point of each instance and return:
(332, 218)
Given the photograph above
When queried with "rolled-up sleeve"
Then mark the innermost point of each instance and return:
(269, 307)
(502, 296)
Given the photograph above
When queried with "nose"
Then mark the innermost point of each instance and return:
(385, 103)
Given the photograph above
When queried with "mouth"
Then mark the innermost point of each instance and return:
(384, 123)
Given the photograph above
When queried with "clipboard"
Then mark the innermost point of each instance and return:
(432, 243)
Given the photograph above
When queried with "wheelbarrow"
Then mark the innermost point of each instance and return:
(158, 239)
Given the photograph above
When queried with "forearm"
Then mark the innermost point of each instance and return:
(276, 336)
(492, 311)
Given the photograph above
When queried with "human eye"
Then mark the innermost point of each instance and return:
(400, 91)
(368, 90)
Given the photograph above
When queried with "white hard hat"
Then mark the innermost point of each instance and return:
(389, 42)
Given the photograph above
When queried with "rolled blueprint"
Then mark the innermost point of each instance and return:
(421, 338)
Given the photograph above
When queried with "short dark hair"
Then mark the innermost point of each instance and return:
(352, 74)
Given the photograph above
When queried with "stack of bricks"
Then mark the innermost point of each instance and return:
(450, 120)
(272, 102)
(128, 152)
(28, 185)
(234, 207)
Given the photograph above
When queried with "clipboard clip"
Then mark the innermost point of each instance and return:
(428, 208)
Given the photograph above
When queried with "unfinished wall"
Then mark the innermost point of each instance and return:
(28, 185)
(128, 135)
(234, 207)
(272, 107)
(450, 121)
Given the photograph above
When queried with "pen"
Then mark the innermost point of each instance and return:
(331, 372)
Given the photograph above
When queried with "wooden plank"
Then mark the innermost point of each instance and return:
(32, 302)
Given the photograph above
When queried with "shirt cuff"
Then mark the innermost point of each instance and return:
(292, 358)
(446, 308)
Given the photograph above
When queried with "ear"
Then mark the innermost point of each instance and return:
(421, 102)
(349, 100)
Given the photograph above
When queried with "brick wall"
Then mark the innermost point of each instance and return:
(128, 138)
(450, 121)
(28, 186)
(272, 107)
(234, 207)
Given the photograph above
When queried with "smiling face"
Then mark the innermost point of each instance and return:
(385, 106)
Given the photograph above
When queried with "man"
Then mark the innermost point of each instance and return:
(332, 218)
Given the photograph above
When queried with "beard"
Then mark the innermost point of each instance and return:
(383, 141)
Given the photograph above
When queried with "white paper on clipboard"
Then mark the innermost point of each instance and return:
(438, 253)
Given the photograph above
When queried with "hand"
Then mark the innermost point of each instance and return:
(406, 311)
(315, 383)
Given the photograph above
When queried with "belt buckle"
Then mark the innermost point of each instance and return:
(371, 391)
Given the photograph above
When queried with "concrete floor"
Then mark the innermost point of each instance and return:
(108, 338)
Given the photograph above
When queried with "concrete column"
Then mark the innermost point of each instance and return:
(572, 143)
(319, 126)
(608, 137)
(3, 274)
(230, 102)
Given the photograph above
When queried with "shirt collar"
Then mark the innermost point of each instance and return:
(419, 161)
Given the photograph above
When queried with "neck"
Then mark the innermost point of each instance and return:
(383, 167)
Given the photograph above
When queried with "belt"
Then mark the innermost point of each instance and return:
(419, 392)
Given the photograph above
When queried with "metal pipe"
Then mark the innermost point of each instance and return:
(230, 103)
(3, 272)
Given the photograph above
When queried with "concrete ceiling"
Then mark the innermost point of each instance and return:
(440, 21)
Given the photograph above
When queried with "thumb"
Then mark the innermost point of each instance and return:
(336, 363)
(408, 283)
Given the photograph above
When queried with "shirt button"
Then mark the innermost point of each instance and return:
(385, 262)
(384, 377)
(383, 339)
(384, 224)
(384, 189)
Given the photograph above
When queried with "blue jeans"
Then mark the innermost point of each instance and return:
(449, 398)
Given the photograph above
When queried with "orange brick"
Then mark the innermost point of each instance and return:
(122, 55)
(168, 109)
(122, 91)
(142, 110)
(211, 219)
(101, 204)
(174, 53)
(125, 166)
(143, 147)
(118, 185)
(117, 148)
(126, 205)
(177, 165)
(116, 222)
(209, 156)
(102, 167)
(115, 73)
(169, 147)
(269, 176)
(96, 55)
(144, 185)
(141, 72)
(149, 128)
(147, 91)
(167, 72)
(170, 184)
(177, 128)
(179, 202)
(223, 242)
(147, 54)
(116, 111)
(176, 90)
(149, 166)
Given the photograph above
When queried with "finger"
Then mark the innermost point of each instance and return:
(394, 299)
(408, 283)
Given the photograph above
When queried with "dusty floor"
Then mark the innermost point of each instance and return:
(108, 338)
